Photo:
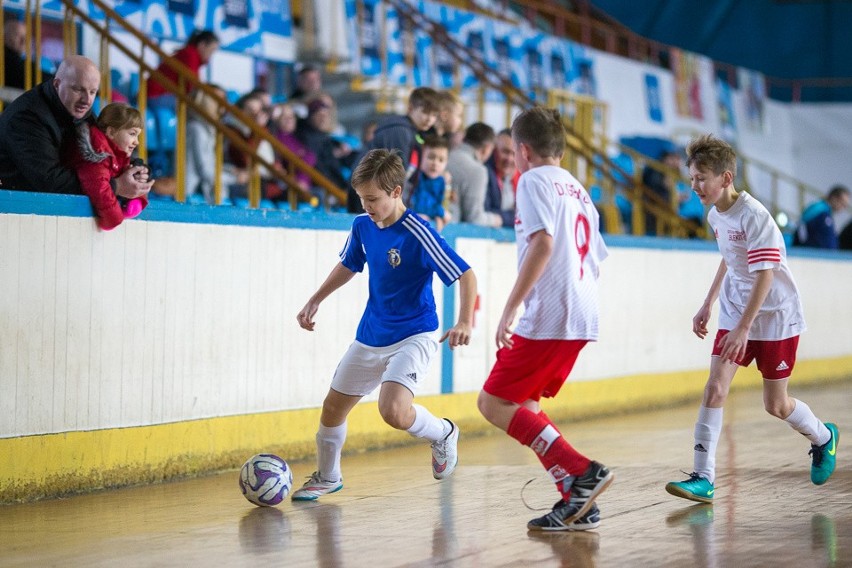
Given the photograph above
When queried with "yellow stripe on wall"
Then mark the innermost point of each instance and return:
(33, 467)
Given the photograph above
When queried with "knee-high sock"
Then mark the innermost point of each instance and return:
(329, 445)
(803, 421)
(707, 431)
(555, 454)
(427, 425)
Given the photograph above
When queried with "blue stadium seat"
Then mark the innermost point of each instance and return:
(152, 137)
(167, 125)
(596, 193)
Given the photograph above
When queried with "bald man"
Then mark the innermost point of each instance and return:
(37, 126)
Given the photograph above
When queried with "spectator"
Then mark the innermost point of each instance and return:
(816, 227)
(470, 176)
(660, 184)
(101, 153)
(14, 54)
(285, 131)
(502, 179)
(308, 84)
(401, 133)
(450, 115)
(429, 185)
(201, 149)
(36, 126)
(238, 159)
(198, 50)
(313, 133)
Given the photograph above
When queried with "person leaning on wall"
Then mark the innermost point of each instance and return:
(37, 126)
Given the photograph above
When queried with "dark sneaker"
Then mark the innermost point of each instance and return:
(584, 490)
(696, 488)
(824, 457)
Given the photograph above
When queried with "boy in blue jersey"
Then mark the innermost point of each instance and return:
(395, 338)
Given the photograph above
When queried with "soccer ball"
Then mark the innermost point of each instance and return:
(265, 480)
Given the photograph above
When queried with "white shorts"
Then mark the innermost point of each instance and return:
(363, 368)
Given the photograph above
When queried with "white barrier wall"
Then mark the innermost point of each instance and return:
(161, 321)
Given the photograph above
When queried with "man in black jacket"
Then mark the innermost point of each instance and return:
(37, 126)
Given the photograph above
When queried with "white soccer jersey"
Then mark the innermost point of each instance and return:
(563, 303)
(750, 241)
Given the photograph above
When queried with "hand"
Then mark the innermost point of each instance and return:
(127, 185)
(734, 345)
(459, 334)
(699, 322)
(504, 329)
(306, 316)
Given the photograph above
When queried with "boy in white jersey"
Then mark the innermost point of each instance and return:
(760, 318)
(395, 339)
(559, 252)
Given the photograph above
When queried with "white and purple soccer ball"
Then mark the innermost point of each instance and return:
(266, 480)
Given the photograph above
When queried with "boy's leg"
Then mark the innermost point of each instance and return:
(708, 428)
(330, 438)
(776, 360)
(800, 417)
(397, 407)
(578, 479)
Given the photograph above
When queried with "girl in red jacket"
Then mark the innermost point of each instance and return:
(102, 153)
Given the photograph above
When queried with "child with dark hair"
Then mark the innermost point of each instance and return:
(429, 184)
(102, 153)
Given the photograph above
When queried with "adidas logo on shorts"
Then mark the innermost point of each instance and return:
(412, 376)
(782, 366)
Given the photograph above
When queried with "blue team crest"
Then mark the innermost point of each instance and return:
(393, 258)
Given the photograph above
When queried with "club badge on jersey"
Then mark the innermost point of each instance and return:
(393, 258)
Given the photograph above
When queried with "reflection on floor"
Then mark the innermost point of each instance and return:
(392, 513)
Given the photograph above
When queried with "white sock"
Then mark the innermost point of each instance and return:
(329, 445)
(707, 431)
(427, 426)
(803, 421)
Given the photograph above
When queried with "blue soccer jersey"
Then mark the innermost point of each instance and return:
(402, 259)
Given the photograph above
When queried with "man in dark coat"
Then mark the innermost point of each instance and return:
(36, 126)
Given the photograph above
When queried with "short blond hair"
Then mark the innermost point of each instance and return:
(710, 153)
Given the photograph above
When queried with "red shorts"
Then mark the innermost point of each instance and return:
(775, 359)
(533, 368)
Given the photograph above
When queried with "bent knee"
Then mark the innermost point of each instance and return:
(486, 404)
(395, 416)
(778, 410)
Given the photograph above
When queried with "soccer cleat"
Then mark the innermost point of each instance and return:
(315, 487)
(696, 488)
(445, 453)
(824, 457)
(584, 490)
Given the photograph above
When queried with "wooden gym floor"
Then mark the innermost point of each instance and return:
(392, 513)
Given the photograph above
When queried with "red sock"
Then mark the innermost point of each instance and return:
(555, 454)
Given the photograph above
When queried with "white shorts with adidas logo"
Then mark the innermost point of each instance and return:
(363, 368)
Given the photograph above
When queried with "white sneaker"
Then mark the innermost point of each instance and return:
(316, 487)
(445, 453)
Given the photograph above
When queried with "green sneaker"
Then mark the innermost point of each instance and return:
(696, 488)
(824, 458)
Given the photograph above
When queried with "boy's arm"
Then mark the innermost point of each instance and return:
(699, 322)
(459, 334)
(338, 276)
(734, 344)
(539, 251)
